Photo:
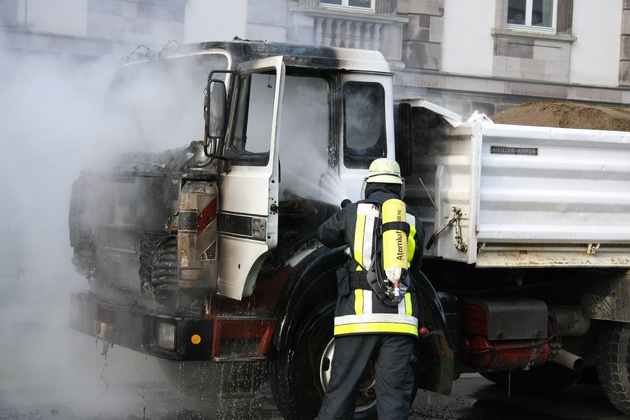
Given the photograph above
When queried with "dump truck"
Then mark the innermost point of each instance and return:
(204, 254)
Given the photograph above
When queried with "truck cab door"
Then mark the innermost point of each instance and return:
(248, 205)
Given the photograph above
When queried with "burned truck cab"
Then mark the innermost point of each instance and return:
(202, 245)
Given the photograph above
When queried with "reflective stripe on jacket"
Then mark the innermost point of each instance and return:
(367, 316)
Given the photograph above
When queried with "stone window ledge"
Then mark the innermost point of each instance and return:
(507, 33)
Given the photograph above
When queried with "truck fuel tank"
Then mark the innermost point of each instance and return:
(504, 334)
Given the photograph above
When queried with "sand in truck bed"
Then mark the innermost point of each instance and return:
(566, 115)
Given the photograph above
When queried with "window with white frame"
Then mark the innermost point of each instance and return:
(537, 15)
(359, 5)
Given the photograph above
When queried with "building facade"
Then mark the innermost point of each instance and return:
(465, 55)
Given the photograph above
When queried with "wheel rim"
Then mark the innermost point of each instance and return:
(367, 392)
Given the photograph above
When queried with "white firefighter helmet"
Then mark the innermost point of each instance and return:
(385, 171)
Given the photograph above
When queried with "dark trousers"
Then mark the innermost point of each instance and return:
(394, 375)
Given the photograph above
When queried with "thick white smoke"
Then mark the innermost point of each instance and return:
(48, 130)
(52, 125)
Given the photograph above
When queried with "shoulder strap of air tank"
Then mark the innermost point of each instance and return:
(367, 215)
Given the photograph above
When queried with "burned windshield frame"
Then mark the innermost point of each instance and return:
(250, 139)
(364, 124)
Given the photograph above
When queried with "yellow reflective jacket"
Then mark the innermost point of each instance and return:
(359, 310)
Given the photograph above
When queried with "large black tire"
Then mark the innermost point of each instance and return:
(613, 353)
(299, 375)
(544, 379)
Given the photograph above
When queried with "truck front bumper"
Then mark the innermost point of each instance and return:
(134, 327)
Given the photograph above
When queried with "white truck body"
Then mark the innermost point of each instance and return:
(529, 196)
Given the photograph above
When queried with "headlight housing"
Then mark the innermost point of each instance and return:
(166, 335)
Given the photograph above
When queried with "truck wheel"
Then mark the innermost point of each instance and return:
(299, 375)
(614, 366)
(547, 378)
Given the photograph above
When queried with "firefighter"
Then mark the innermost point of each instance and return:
(371, 326)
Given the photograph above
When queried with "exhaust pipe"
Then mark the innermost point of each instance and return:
(569, 360)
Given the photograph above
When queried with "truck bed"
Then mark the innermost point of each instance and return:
(526, 196)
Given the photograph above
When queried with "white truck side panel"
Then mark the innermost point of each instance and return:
(456, 191)
(533, 196)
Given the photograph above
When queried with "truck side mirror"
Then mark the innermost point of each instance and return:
(215, 109)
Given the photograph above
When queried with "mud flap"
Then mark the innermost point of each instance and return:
(430, 294)
(435, 352)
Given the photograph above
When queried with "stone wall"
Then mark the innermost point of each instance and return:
(422, 40)
(526, 65)
(532, 56)
(135, 20)
(106, 27)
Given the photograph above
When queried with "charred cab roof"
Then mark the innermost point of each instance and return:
(295, 55)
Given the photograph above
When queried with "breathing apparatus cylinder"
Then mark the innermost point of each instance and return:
(395, 262)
